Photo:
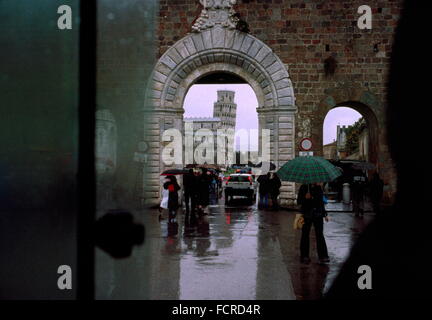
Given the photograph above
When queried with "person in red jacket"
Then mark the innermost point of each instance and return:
(173, 199)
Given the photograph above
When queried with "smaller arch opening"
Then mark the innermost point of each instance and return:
(350, 114)
(338, 124)
(350, 141)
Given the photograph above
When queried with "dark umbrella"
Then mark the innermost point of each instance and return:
(205, 165)
(171, 172)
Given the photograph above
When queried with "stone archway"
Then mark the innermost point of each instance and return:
(368, 105)
(363, 102)
(216, 46)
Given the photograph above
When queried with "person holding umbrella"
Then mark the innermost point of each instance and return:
(263, 190)
(203, 191)
(189, 189)
(311, 172)
(169, 199)
(173, 187)
(310, 198)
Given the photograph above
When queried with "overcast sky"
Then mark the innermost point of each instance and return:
(200, 98)
(341, 116)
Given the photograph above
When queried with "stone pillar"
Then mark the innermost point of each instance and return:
(155, 124)
(280, 122)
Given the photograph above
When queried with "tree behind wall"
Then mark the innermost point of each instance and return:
(352, 136)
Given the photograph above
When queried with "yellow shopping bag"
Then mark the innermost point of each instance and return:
(298, 221)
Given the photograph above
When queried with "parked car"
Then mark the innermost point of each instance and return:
(240, 184)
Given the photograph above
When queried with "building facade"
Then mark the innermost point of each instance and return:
(330, 151)
(223, 123)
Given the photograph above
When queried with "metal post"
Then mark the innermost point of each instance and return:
(346, 193)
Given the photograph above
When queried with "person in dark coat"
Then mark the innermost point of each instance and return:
(376, 188)
(189, 189)
(263, 191)
(213, 189)
(310, 197)
(173, 199)
(274, 184)
(203, 191)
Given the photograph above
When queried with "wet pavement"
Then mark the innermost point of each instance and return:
(340, 206)
(233, 252)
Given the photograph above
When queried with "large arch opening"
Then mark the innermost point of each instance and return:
(213, 56)
(224, 100)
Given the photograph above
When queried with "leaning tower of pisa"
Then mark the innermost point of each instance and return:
(226, 110)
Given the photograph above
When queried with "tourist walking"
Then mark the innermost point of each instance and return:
(310, 198)
(189, 190)
(274, 184)
(173, 187)
(221, 177)
(263, 190)
(213, 188)
(203, 191)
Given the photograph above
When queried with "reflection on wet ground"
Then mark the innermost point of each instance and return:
(233, 252)
(313, 280)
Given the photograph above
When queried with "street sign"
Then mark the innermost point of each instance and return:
(306, 144)
(306, 153)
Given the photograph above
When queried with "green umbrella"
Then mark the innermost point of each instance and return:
(308, 170)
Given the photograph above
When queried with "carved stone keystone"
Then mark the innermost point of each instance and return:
(216, 12)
